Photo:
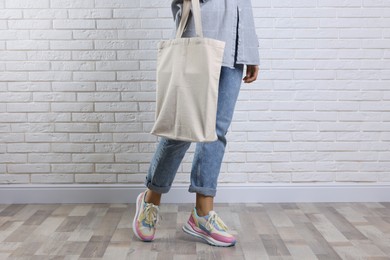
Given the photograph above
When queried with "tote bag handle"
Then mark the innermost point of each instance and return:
(185, 15)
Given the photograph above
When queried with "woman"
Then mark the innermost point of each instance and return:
(230, 21)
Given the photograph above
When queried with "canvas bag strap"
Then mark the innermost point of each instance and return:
(185, 15)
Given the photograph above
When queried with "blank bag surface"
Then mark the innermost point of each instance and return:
(188, 71)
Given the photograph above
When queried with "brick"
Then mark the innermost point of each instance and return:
(120, 127)
(44, 14)
(71, 4)
(138, 96)
(14, 178)
(232, 178)
(27, 148)
(116, 147)
(28, 65)
(71, 107)
(31, 128)
(100, 96)
(50, 76)
(353, 176)
(49, 117)
(72, 65)
(27, 4)
(90, 138)
(52, 178)
(71, 45)
(89, 13)
(133, 137)
(73, 148)
(118, 168)
(268, 177)
(27, 107)
(157, 23)
(73, 86)
(99, 117)
(13, 117)
(95, 34)
(5, 128)
(72, 168)
(74, 24)
(116, 3)
(95, 178)
(136, 13)
(49, 157)
(11, 76)
(49, 55)
(54, 96)
(153, 3)
(46, 137)
(131, 178)
(29, 24)
(51, 34)
(116, 44)
(117, 65)
(93, 55)
(76, 127)
(132, 158)
(89, 158)
(136, 75)
(127, 117)
(11, 137)
(312, 176)
(15, 97)
(93, 76)
(118, 24)
(28, 168)
(140, 34)
(117, 86)
(13, 158)
(111, 107)
(10, 14)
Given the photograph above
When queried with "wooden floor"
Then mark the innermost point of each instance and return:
(264, 231)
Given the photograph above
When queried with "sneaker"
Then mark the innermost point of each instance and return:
(145, 219)
(210, 228)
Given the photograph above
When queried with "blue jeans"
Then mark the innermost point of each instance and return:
(208, 156)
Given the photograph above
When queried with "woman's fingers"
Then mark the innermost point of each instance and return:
(252, 71)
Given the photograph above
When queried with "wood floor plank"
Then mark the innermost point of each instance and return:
(117, 250)
(11, 210)
(327, 229)
(21, 233)
(346, 228)
(264, 231)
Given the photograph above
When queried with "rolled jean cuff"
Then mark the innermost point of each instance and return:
(156, 188)
(204, 191)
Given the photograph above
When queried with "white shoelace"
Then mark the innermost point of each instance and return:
(215, 219)
(152, 217)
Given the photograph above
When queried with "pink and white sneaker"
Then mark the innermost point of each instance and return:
(145, 219)
(210, 228)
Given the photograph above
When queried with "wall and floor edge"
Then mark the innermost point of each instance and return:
(227, 193)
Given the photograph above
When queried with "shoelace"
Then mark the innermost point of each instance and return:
(215, 219)
(151, 212)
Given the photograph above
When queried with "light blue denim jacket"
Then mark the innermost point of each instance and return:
(221, 20)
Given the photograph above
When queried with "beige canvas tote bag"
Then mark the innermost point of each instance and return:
(188, 71)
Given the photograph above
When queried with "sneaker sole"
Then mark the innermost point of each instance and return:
(189, 230)
(136, 217)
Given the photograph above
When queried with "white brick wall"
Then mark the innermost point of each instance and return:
(77, 92)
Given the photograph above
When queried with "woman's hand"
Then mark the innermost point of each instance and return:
(251, 73)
